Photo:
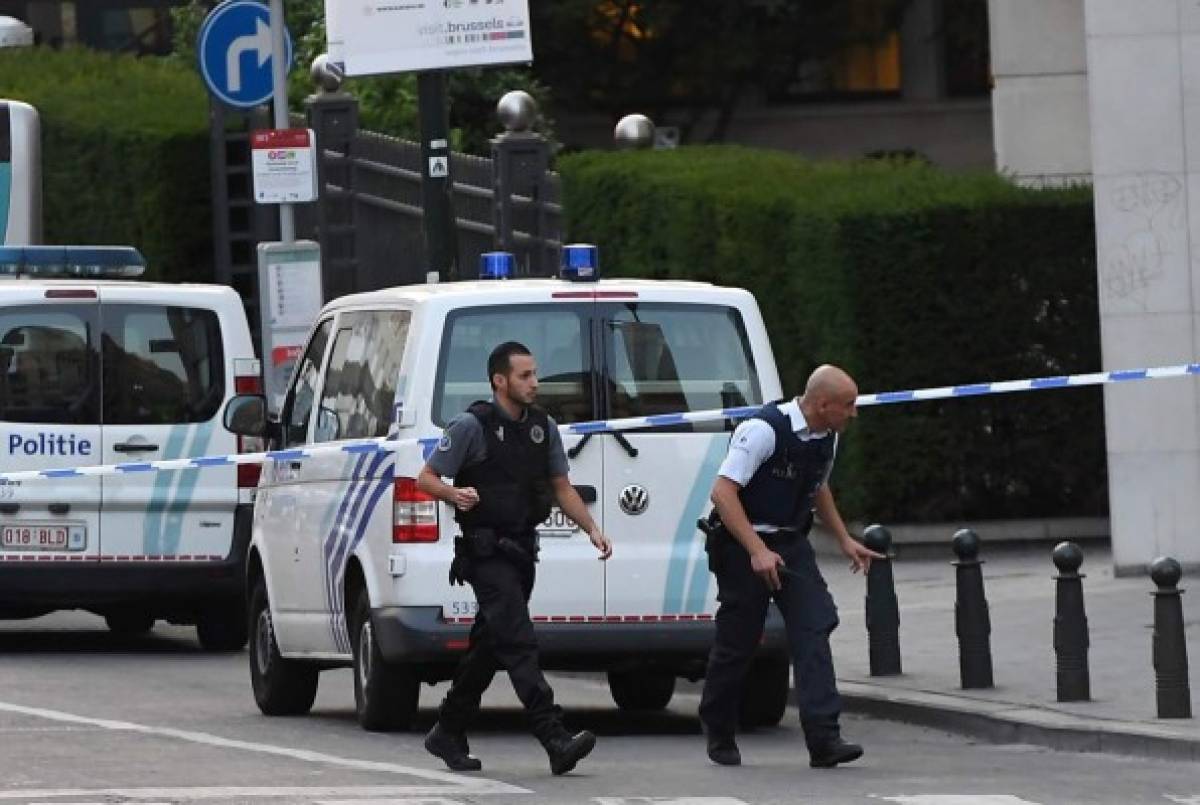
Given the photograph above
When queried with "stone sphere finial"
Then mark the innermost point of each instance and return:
(634, 131)
(517, 110)
(1166, 572)
(966, 544)
(1067, 557)
(326, 74)
(877, 538)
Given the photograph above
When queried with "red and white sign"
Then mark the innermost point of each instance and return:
(284, 164)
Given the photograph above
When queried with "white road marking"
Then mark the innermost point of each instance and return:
(957, 799)
(375, 794)
(405, 801)
(452, 783)
(668, 801)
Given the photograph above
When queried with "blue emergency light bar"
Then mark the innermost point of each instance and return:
(92, 262)
(496, 265)
(580, 262)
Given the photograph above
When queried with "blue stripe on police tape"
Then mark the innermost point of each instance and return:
(1050, 382)
(211, 461)
(285, 455)
(142, 466)
(1128, 374)
(68, 473)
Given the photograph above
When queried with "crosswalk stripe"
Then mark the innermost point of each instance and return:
(668, 801)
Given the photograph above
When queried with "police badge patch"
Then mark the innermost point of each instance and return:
(537, 434)
(444, 443)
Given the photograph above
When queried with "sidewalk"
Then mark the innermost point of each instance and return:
(1023, 706)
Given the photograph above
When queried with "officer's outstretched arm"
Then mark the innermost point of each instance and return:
(860, 556)
(574, 507)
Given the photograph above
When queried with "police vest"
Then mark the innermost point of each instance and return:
(513, 480)
(782, 490)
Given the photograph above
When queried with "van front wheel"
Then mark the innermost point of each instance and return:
(385, 696)
(281, 687)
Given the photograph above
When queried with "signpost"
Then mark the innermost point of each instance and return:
(400, 36)
(234, 50)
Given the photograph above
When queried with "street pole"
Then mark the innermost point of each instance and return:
(440, 241)
(279, 103)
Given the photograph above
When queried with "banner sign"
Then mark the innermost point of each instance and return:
(399, 36)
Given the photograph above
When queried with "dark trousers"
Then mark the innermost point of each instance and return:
(809, 614)
(502, 637)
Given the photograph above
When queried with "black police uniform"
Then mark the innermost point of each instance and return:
(496, 556)
(780, 493)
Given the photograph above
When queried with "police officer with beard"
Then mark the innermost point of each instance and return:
(772, 479)
(507, 461)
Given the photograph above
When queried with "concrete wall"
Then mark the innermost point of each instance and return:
(1143, 61)
(1040, 96)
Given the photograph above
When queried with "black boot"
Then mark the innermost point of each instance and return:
(565, 749)
(452, 748)
(830, 752)
(724, 750)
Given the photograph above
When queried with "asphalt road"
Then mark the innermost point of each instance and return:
(86, 717)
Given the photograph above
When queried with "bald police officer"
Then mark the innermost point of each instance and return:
(775, 475)
(507, 461)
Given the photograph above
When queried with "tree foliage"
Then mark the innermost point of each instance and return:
(387, 104)
(700, 56)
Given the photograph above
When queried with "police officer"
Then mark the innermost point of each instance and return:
(507, 460)
(772, 479)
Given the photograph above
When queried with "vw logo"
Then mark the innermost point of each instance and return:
(634, 499)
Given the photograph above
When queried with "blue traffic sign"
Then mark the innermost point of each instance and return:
(234, 50)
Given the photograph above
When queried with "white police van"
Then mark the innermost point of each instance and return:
(348, 560)
(96, 369)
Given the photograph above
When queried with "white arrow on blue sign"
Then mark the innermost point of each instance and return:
(234, 50)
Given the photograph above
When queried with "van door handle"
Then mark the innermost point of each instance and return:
(134, 447)
(296, 465)
(9, 508)
(59, 508)
(586, 492)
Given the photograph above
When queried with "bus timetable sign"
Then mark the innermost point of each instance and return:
(284, 166)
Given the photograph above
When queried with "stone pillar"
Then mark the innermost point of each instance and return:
(1040, 95)
(1143, 61)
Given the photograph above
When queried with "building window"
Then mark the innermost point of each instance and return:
(967, 52)
(860, 57)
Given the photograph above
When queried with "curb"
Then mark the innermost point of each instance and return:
(1004, 722)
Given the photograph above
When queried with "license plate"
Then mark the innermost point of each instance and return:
(43, 537)
(557, 525)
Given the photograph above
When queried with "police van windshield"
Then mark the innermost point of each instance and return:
(665, 359)
(556, 335)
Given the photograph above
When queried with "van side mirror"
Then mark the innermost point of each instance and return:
(246, 415)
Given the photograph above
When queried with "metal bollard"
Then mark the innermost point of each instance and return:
(1070, 625)
(883, 611)
(971, 620)
(1170, 647)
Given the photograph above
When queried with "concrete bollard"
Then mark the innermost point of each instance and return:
(971, 620)
(1070, 625)
(883, 611)
(1170, 646)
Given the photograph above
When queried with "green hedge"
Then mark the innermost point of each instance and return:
(908, 277)
(125, 155)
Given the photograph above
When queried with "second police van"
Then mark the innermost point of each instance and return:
(98, 368)
(348, 560)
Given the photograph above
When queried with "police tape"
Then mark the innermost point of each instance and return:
(391, 444)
